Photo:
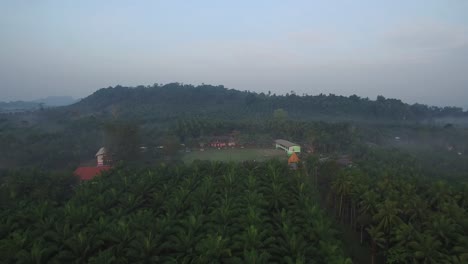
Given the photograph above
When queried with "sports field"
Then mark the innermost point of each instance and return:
(258, 154)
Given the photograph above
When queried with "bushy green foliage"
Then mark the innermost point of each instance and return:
(25, 185)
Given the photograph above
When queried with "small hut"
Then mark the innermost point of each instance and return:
(293, 160)
(288, 146)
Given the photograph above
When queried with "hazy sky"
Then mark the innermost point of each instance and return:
(416, 50)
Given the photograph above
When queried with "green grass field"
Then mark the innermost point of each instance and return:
(235, 155)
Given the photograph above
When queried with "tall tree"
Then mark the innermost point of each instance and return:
(122, 139)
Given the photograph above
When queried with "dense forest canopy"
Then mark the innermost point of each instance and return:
(175, 99)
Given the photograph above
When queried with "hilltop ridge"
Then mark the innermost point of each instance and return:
(175, 99)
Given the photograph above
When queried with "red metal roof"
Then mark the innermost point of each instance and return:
(294, 158)
(87, 173)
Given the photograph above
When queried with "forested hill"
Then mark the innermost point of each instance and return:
(174, 99)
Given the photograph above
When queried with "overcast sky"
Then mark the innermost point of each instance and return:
(415, 50)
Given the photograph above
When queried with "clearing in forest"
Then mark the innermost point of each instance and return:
(236, 155)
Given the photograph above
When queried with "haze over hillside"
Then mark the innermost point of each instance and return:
(50, 101)
(174, 99)
(56, 100)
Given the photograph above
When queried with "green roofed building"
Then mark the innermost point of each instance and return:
(288, 146)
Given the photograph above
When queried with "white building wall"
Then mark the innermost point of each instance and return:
(100, 160)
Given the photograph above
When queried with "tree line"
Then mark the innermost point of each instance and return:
(164, 102)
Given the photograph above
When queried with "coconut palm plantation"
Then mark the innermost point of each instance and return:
(297, 132)
(402, 216)
(208, 212)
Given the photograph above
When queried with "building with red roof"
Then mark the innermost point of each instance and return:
(88, 173)
(103, 161)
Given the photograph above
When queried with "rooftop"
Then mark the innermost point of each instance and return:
(87, 173)
(293, 159)
(285, 143)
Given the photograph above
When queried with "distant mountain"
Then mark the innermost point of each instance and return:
(22, 106)
(56, 101)
(18, 106)
(174, 100)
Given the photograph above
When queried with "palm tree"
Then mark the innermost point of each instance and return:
(276, 195)
(322, 228)
(103, 257)
(440, 193)
(132, 202)
(9, 223)
(463, 196)
(363, 220)
(426, 249)
(290, 244)
(205, 194)
(368, 203)
(400, 251)
(398, 254)
(254, 238)
(341, 186)
(118, 237)
(253, 256)
(378, 240)
(387, 215)
(330, 252)
(212, 249)
(443, 228)
(414, 208)
(79, 215)
(15, 242)
(253, 216)
(146, 247)
(39, 253)
(461, 248)
(186, 235)
(79, 247)
(404, 233)
(367, 208)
